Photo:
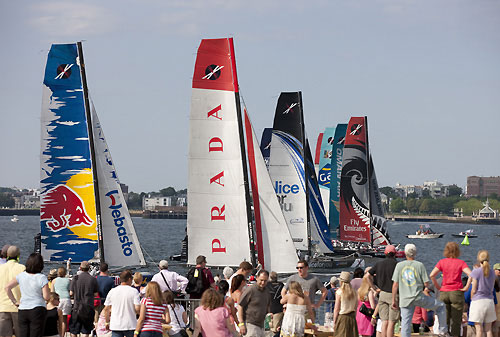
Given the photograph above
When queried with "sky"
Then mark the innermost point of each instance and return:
(425, 72)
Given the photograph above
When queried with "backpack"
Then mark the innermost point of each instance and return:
(196, 281)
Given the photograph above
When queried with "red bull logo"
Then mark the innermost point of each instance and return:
(63, 208)
(119, 221)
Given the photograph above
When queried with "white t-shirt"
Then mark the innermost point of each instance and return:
(123, 300)
(31, 290)
(173, 321)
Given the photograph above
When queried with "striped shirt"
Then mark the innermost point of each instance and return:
(154, 313)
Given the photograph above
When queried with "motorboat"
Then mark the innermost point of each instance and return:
(425, 232)
(469, 233)
(425, 236)
(14, 218)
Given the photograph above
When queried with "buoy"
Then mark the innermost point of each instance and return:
(465, 241)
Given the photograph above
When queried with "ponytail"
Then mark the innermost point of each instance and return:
(486, 268)
(483, 257)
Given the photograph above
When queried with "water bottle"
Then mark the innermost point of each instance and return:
(421, 329)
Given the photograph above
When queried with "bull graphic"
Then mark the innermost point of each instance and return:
(62, 207)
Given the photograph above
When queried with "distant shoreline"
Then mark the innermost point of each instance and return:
(442, 218)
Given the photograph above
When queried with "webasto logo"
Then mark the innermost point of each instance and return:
(119, 221)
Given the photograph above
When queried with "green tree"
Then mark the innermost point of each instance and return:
(397, 205)
(6, 200)
(389, 191)
(454, 190)
(181, 192)
(411, 205)
(167, 192)
(135, 200)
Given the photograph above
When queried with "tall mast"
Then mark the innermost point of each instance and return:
(251, 237)
(306, 173)
(92, 153)
(368, 159)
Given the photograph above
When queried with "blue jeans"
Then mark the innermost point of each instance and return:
(425, 302)
(122, 333)
(151, 334)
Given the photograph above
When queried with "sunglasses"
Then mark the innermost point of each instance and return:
(300, 267)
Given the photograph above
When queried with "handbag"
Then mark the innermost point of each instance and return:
(366, 311)
(183, 332)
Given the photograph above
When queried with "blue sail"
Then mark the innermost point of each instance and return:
(336, 170)
(67, 203)
(320, 233)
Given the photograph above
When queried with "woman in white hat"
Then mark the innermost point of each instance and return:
(344, 314)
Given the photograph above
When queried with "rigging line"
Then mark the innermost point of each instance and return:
(151, 259)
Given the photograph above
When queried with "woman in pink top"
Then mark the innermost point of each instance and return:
(212, 317)
(452, 291)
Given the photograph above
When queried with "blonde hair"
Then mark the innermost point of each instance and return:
(346, 291)
(138, 278)
(296, 289)
(153, 292)
(483, 257)
(363, 289)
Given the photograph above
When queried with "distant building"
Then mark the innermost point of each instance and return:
(124, 189)
(482, 186)
(435, 188)
(151, 203)
(487, 212)
(181, 201)
(30, 201)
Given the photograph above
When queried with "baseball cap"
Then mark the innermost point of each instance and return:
(163, 264)
(333, 280)
(389, 249)
(496, 266)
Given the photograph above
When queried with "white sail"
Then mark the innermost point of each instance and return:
(286, 168)
(274, 242)
(121, 245)
(217, 217)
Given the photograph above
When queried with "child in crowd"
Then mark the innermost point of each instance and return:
(175, 315)
(54, 318)
(297, 304)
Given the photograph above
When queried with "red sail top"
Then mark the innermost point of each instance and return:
(318, 149)
(215, 66)
(354, 196)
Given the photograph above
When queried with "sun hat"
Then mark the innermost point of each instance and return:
(345, 276)
(389, 249)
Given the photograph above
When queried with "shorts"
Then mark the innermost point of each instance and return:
(385, 310)
(76, 326)
(482, 311)
(65, 306)
(8, 323)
